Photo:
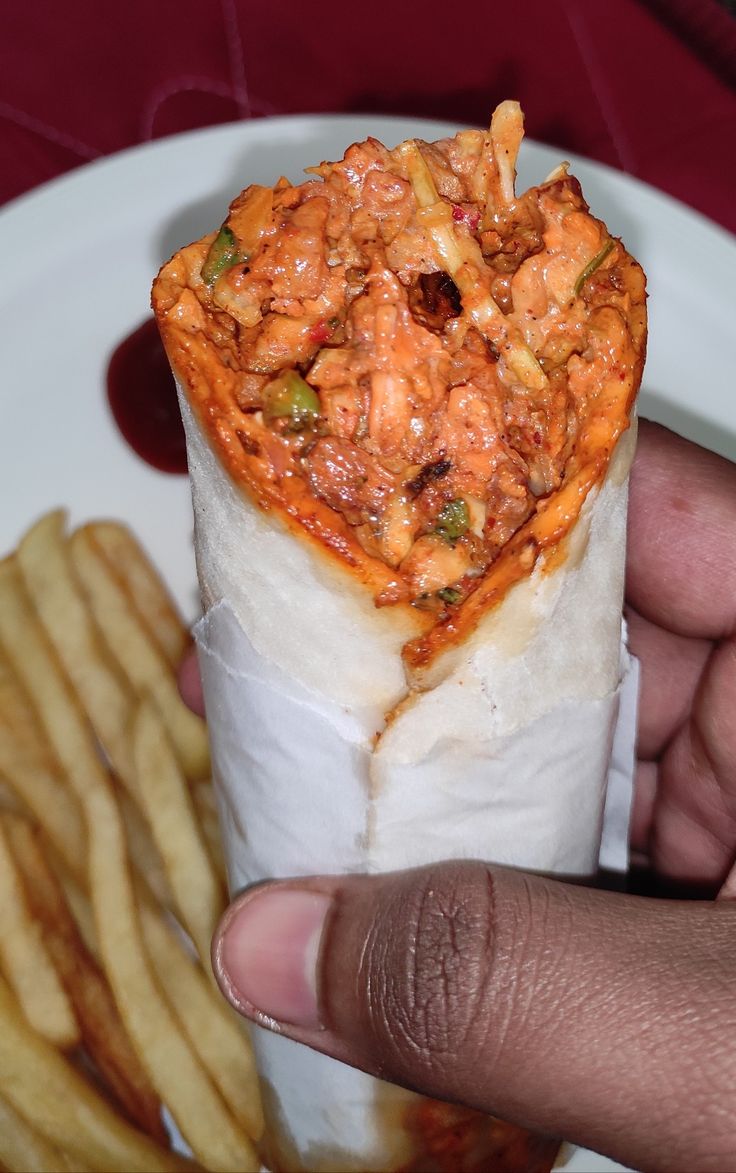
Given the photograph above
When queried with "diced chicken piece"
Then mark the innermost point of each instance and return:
(347, 478)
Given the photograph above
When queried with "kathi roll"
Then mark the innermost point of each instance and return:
(408, 395)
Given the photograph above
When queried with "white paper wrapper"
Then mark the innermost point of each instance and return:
(505, 757)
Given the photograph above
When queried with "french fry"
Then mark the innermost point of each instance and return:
(145, 587)
(102, 1031)
(213, 1029)
(9, 800)
(113, 609)
(175, 1070)
(29, 767)
(144, 855)
(42, 792)
(42, 1086)
(79, 905)
(15, 710)
(108, 702)
(25, 960)
(203, 797)
(144, 666)
(22, 1149)
(165, 800)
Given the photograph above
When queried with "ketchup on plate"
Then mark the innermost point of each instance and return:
(142, 397)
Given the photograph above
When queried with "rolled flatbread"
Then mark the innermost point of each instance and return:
(408, 397)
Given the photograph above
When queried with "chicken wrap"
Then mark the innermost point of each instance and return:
(408, 396)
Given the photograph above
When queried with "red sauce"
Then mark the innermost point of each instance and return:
(322, 331)
(142, 397)
(453, 1139)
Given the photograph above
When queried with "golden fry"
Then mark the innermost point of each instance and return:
(176, 1072)
(15, 710)
(45, 795)
(102, 1031)
(213, 1029)
(48, 577)
(22, 1149)
(144, 855)
(29, 767)
(42, 1086)
(9, 800)
(143, 664)
(25, 960)
(203, 797)
(80, 907)
(117, 617)
(165, 800)
(147, 590)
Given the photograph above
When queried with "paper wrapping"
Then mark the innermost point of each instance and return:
(504, 758)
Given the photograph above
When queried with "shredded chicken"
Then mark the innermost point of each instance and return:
(446, 341)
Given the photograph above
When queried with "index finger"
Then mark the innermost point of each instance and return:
(681, 563)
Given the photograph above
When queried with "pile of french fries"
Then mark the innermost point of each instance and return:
(111, 875)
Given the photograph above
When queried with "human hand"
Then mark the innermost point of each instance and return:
(681, 609)
(602, 1017)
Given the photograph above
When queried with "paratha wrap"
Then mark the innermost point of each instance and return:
(408, 398)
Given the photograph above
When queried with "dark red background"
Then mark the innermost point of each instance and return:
(645, 85)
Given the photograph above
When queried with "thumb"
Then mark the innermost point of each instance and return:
(603, 1018)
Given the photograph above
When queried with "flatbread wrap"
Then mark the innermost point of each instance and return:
(408, 395)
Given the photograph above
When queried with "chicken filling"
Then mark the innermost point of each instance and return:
(417, 343)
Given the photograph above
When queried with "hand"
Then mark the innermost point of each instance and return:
(681, 608)
(603, 1017)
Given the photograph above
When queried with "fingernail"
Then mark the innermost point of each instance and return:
(266, 954)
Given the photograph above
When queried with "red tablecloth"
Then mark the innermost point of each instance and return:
(645, 85)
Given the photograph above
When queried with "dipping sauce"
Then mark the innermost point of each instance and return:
(142, 397)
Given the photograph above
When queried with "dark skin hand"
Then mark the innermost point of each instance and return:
(607, 1018)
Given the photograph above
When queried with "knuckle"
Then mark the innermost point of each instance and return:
(430, 961)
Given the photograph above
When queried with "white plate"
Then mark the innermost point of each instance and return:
(80, 253)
